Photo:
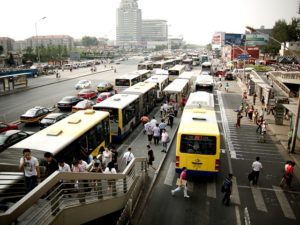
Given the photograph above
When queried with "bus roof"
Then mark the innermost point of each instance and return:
(118, 101)
(146, 63)
(157, 79)
(128, 76)
(57, 136)
(198, 121)
(186, 75)
(140, 72)
(206, 64)
(161, 72)
(178, 67)
(176, 86)
(200, 100)
(139, 88)
(204, 79)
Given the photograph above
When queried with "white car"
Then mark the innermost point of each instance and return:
(83, 84)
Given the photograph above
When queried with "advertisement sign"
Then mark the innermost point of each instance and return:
(257, 39)
(234, 39)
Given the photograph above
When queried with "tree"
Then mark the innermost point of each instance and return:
(1, 49)
(89, 41)
(293, 30)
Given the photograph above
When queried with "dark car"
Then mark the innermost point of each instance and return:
(7, 126)
(51, 119)
(229, 76)
(34, 115)
(67, 102)
(11, 137)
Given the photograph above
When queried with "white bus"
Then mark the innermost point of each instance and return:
(204, 83)
(144, 74)
(175, 71)
(177, 91)
(189, 63)
(147, 96)
(161, 82)
(189, 75)
(147, 65)
(126, 80)
(206, 67)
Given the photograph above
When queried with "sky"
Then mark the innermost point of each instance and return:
(195, 20)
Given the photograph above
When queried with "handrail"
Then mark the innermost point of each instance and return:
(57, 184)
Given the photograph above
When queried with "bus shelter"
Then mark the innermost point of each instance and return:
(12, 82)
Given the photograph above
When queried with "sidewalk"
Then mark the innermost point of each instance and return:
(51, 79)
(278, 131)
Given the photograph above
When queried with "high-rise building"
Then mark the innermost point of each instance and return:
(154, 30)
(129, 24)
(7, 44)
(48, 40)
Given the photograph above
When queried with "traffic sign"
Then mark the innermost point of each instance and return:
(243, 56)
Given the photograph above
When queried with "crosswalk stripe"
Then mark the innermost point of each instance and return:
(258, 199)
(211, 190)
(170, 174)
(284, 204)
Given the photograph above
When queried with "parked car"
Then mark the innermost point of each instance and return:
(87, 94)
(104, 86)
(10, 137)
(83, 84)
(104, 95)
(67, 102)
(7, 126)
(51, 119)
(229, 76)
(34, 115)
(82, 105)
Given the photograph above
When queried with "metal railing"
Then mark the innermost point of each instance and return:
(64, 190)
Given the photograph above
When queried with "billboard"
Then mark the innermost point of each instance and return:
(257, 39)
(234, 39)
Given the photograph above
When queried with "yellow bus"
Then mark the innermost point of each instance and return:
(77, 136)
(175, 71)
(147, 96)
(198, 136)
(124, 114)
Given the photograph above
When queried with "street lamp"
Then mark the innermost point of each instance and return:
(295, 129)
(37, 40)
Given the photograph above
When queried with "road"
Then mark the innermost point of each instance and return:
(12, 106)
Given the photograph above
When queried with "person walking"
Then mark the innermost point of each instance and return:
(144, 119)
(111, 183)
(30, 166)
(156, 134)
(106, 157)
(256, 168)
(150, 157)
(164, 139)
(51, 164)
(259, 123)
(227, 189)
(290, 138)
(171, 116)
(128, 156)
(162, 125)
(254, 98)
(181, 183)
(149, 131)
(238, 119)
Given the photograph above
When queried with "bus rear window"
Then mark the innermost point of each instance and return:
(197, 144)
(122, 82)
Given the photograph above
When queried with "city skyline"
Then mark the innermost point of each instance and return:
(195, 20)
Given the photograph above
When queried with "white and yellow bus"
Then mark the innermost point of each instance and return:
(175, 71)
(178, 90)
(76, 137)
(189, 75)
(147, 65)
(144, 74)
(161, 82)
(124, 114)
(198, 136)
(205, 83)
(147, 96)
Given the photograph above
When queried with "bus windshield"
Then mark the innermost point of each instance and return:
(197, 144)
(123, 82)
(113, 117)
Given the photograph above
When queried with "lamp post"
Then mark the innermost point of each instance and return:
(295, 129)
(37, 40)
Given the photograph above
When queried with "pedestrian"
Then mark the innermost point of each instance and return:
(51, 163)
(262, 100)
(63, 167)
(162, 125)
(256, 168)
(112, 182)
(149, 131)
(227, 189)
(128, 156)
(250, 112)
(181, 183)
(106, 157)
(289, 174)
(115, 154)
(226, 87)
(286, 165)
(161, 111)
(144, 119)
(238, 119)
(83, 164)
(254, 98)
(153, 121)
(244, 97)
(175, 107)
(156, 134)
(290, 138)
(30, 166)
(164, 139)
(171, 116)
(150, 157)
(255, 115)
(259, 123)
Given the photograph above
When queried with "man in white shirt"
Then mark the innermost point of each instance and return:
(256, 168)
(128, 156)
(63, 167)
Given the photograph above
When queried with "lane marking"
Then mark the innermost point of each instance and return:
(258, 199)
(235, 192)
(285, 206)
(170, 174)
(211, 189)
(237, 215)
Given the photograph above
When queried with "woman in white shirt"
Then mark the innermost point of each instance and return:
(106, 157)
(164, 139)
(110, 169)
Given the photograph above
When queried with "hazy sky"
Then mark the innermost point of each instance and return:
(196, 20)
